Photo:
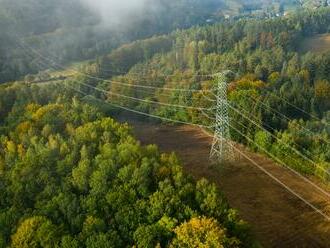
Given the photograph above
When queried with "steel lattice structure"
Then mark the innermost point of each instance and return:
(222, 150)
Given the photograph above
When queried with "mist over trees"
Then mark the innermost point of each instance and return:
(71, 176)
(76, 30)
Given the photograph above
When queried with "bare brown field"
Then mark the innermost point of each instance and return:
(278, 218)
(316, 44)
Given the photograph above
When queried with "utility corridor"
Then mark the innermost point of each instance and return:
(278, 218)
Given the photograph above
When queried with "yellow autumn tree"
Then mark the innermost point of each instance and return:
(322, 91)
(35, 232)
(199, 232)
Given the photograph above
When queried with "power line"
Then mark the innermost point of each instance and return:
(316, 209)
(285, 117)
(257, 167)
(156, 87)
(281, 162)
(129, 72)
(260, 125)
(142, 113)
(275, 137)
(175, 89)
(241, 153)
(147, 101)
(111, 81)
(144, 100)
(211, 75)
(207, 116)
(276, 158)
(290, 190)
(238, 113)
(209, 99)
(44, 66)
(181, 106)
(151, 87)
(188, 107)
(300, 109)
(284, 185)
(265, 123)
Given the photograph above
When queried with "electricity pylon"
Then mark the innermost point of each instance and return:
(222, 150)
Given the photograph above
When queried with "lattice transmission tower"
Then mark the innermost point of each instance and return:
(222, 147)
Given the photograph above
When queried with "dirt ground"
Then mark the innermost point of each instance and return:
(317, 44)
(278, 218)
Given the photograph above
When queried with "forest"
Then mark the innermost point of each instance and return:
(71, 175)
(284, 91)
(70, 31)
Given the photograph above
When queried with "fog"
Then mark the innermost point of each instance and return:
(121, 12)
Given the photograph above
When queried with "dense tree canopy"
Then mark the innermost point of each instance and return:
(70, 177)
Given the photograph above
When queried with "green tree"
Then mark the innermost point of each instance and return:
(263, 141)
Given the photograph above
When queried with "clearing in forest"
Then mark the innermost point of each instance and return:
(316, 44)
(278, 218)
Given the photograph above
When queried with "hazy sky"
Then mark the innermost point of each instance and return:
(116, 12)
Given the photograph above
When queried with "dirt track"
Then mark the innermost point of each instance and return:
(277, 218)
